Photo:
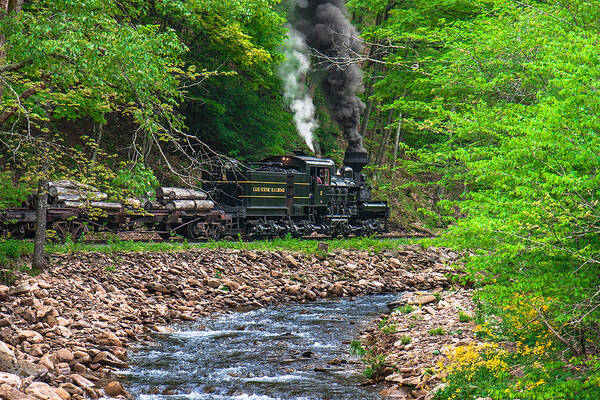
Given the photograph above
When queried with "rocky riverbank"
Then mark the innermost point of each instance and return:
(414, 338)
(65, 332)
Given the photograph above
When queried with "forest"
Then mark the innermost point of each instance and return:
(481, 118)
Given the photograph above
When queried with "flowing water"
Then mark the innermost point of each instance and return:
(281, 352)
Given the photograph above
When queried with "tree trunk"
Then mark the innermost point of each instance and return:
(373, 132)
(38, 261)
(381, 153)
(367, 113)
(99, 128)
(397, 141)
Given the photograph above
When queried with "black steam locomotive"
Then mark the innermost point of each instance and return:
(297, 194)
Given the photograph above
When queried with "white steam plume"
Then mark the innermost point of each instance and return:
(293, 73)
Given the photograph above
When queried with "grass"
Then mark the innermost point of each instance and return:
(13, 249)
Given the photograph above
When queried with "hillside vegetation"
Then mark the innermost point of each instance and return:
(481, 120)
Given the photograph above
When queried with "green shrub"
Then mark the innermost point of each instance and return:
(11, 194)
(437, 332)
(464, 317)
(135, 180)
(407, 309)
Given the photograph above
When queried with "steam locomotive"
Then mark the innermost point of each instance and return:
(294, 194)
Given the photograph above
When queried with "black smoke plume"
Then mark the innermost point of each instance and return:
(328, 31)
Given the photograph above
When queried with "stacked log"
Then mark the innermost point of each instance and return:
(69, 193)
(196, 205)
(174, 199)
(175, 193)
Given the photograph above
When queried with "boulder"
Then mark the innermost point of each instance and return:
(64, 395)
(19, 289)
(9, 379)
(336, 289)
(422, 299)
(8, 360)
(81, 381)
(290, 261)
(42, 391)
(8, 392)
(30, 336)
(115, 389)
(108, 338)
(64, 355)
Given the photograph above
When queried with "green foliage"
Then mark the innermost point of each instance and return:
(356, 348)
(135, 180)
(406, 309)
(11, 250)
(464, 317)
(386, 327)
(11, 194)
(500, 115)
(437, 332)
(405, 340)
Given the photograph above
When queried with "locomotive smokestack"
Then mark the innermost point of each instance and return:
(333, 39)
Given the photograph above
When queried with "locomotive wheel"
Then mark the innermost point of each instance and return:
(73, 229)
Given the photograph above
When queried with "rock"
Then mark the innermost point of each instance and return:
(250, 255)
(27, 368)
(422, 299)
(157, 287)
(79, 368)
(62, 393)
(290, 261)
(42, 391)
(163, 329)
(19, 289)
(8, 360)
(322, 246)
(396, 392)
(71, 389)
(8, 392)
(394, 261)
(9, 379)
(412, 381)
(30, 336)
(114, 389)
(81, 381)
(293, 289)
(392, 305)
(336, 289)
(108, 338)
(212, 283)
(64, 355)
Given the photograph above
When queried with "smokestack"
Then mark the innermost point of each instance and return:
(328, 31)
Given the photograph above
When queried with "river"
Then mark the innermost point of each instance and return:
(280, 352)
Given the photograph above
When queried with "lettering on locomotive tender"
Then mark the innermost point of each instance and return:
(267, 189)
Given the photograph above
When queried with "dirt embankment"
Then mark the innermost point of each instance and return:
(64, 332)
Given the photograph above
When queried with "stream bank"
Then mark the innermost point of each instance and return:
(65, 332)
